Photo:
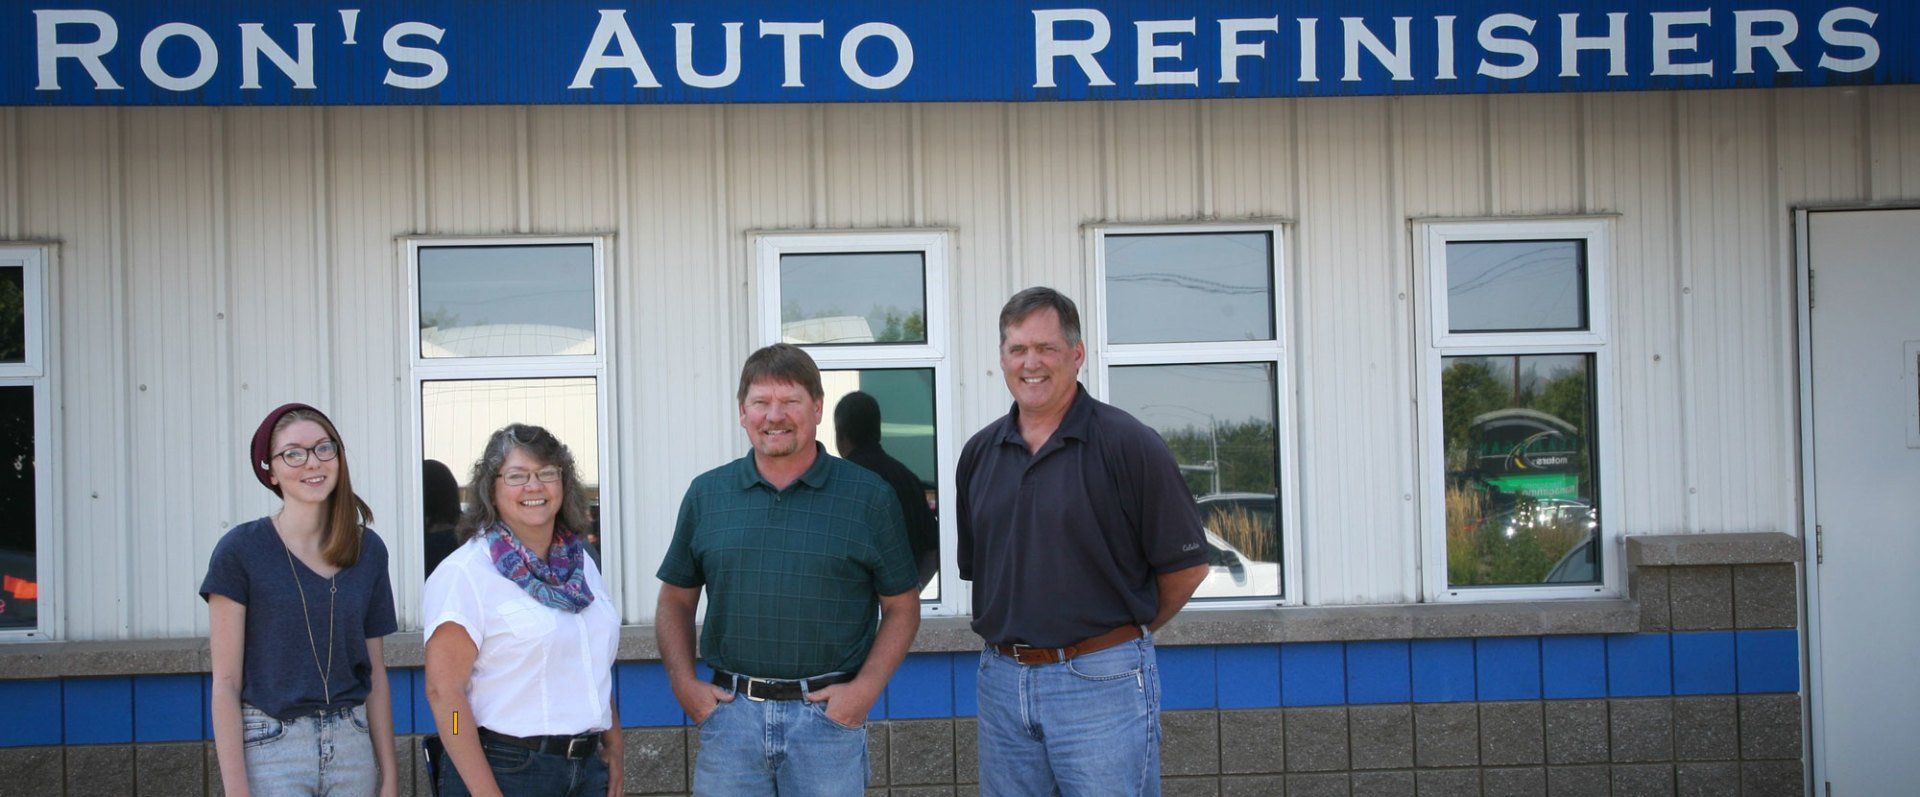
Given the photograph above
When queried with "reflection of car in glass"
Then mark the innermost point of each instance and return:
(1249, 518)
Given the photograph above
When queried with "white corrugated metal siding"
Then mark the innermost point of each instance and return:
(215, 262)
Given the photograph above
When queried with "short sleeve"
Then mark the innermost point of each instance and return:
(1171, 535)
(226, 571)
(894, 570)
(380, 616)
(963, 501)
(449, 597)
(679, 567)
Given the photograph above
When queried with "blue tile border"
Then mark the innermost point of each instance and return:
(97, 710)
(1313, 674)
(1379, 672)
(1443, 670)
(936, 685)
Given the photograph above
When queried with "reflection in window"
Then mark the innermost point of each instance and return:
(13, 314)
(457, 416)
(1186, 287)
(1522, 501)
(1221, 423)
(874, 297)
(883, 419)
(1516, 286)
(506, 301)
(19, 576)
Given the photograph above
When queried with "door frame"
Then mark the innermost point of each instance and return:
(1813, 724)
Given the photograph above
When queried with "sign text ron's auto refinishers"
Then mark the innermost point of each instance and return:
(235, 52)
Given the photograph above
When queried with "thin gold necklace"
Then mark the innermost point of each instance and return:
(313, 644)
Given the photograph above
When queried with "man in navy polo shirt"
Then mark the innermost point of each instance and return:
(1081, 538)
(796, 550)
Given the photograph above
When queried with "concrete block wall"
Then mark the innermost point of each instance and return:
(1704, 700)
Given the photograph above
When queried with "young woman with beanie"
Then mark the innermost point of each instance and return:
(299, 601)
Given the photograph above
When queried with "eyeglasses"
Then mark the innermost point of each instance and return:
(516, 478)
(324, 451)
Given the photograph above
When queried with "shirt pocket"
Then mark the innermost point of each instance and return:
(526, 619)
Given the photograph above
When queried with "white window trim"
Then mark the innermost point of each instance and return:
(437, 369)
(1276, 351)
(935, 247)
(1435, 342)
(33, 372)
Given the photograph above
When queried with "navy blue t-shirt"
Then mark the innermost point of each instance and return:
(250, 565)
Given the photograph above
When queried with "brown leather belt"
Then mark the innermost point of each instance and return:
(1028, 654)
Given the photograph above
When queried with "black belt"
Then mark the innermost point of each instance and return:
(573, 747)
(757, 689)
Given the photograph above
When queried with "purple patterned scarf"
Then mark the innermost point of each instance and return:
(560, 581)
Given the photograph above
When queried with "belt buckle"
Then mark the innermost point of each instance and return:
(749, 690)
(1019, 648)
(583, 741)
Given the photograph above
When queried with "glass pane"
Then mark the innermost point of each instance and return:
(905, 451)
(19, 573)
(506, 301)
(1220, 421)
(457, 417)
(1516, 286)
(1522, 500)
(878, 297)
(1189, 287)
(13, 314)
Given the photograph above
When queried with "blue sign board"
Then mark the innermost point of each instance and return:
(446, 52)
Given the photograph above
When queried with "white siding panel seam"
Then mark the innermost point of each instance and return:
(1009, 181)
(917, 165)
(1489, 157)
(1683, 282)
(1203, 157)
(15, 218)
(422, 167)
(223, 358)
(123, 580)
(1109, 163)
(522, 170)
(323, 283)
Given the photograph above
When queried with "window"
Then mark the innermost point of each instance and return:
(870, 307)
(26, 492)
(1191, 338)
(1516, 378)
(508, 331)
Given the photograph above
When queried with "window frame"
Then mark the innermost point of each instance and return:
(1276, 352)
(936, 248)
(596, 366)
(35, 373)
(1435, 343)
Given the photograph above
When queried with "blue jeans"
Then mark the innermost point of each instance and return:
(322, 755)
(789, 748)
(1086, 727)
(520, 771)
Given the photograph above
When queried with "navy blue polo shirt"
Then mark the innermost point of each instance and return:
(1064, 543)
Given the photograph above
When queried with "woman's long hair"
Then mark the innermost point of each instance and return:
(346, 513)
(542, 446)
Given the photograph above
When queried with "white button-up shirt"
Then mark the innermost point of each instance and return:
(540, 671)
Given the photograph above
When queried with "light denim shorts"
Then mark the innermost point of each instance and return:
(323, 755)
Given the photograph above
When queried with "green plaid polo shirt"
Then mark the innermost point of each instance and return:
(793, 577)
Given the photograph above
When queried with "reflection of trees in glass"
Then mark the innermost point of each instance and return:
(1247, 453)
(439, 318)
(1508, 536)
(13, 327)
(888, 324)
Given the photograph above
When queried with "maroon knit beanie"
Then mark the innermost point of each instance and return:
(263, 442)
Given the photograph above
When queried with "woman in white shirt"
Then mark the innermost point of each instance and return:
(521, 634)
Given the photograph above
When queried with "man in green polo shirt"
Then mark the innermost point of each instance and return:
(795, 549)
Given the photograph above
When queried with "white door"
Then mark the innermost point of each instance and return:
(1865, 356)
